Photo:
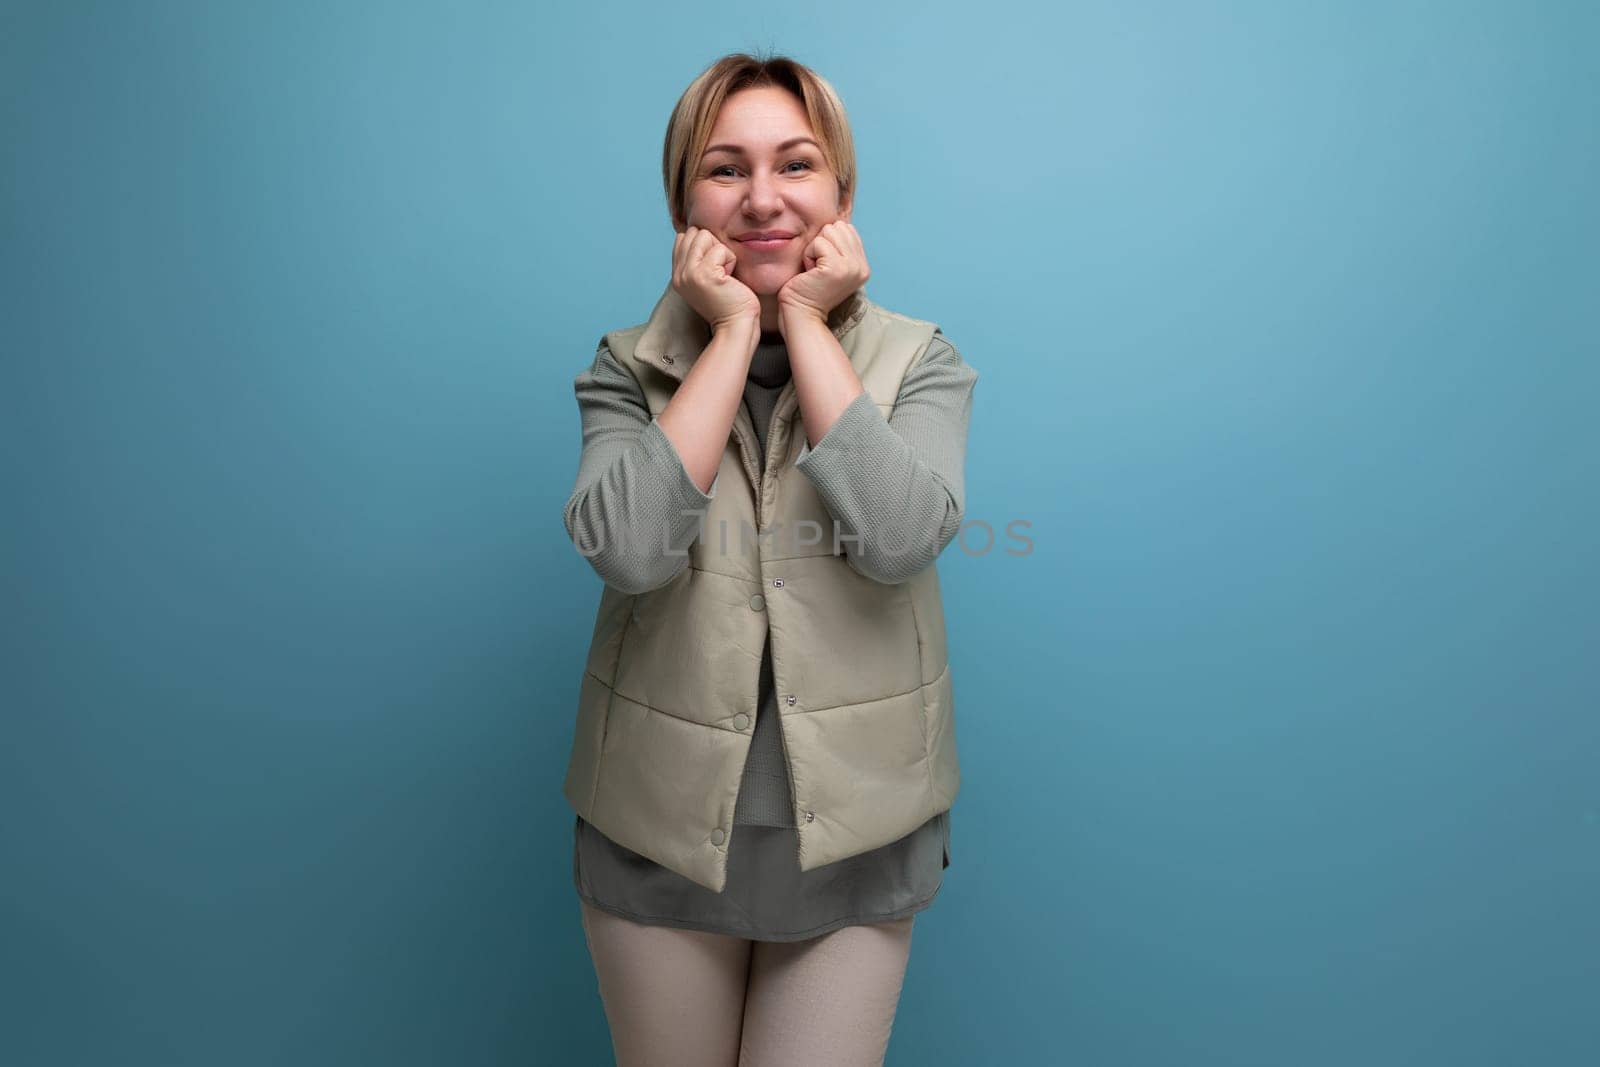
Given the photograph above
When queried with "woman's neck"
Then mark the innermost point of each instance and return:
(769, 312)
(769, 364)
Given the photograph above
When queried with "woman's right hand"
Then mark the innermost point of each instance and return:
(702, 273)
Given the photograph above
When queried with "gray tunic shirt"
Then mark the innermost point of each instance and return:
(892, 482)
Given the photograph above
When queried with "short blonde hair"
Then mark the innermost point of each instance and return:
(689, 129)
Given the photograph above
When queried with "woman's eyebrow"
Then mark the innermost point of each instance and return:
(784, 147)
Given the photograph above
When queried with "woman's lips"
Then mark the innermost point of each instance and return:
(767, 245)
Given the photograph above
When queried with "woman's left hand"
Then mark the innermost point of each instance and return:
(833, 266)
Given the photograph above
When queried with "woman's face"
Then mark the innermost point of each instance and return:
(764, 172)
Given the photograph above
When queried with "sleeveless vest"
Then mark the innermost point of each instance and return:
(667, 701)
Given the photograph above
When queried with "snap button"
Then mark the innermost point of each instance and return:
(777, 583)
(811, 816)
(666, 358)
(757, 602)
(717, 836)
(790, 698)
(740, 721)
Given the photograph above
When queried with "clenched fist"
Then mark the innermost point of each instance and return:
(702, 273)
(833, 266)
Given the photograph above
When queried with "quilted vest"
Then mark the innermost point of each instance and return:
(667, 701)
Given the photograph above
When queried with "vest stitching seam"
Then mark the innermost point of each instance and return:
(658, 711)
(921, 687)
(611, 699)
(761, 582)
(922, 718)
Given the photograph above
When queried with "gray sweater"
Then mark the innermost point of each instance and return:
(897, 485)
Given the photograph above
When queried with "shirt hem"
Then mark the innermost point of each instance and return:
(758, 935)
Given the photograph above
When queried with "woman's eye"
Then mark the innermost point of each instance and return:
(717, 172)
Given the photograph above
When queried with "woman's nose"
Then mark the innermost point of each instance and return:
(762, 197)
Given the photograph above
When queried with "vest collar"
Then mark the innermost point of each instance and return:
(675, 334)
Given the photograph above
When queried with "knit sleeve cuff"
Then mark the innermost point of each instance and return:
(852, 435)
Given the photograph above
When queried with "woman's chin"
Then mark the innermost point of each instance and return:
(766, 281)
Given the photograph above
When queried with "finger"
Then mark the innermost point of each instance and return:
(720, 257)
(855, 239)
(846, 237)
(825, 247)
(704, 240)
(849, 240)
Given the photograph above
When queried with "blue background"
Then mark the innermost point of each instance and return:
(1279, 747)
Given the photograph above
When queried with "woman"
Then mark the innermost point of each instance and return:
(764, 759)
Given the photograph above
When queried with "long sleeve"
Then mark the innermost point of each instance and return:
(634, 510)
(897, 485)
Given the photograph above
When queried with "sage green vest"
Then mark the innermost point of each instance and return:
(667, 703)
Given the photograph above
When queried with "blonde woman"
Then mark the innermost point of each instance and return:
(764, 759)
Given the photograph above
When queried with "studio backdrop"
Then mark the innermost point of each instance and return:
(1272, 620)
